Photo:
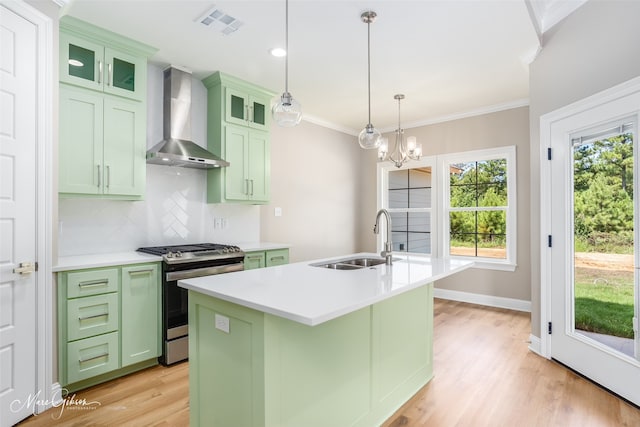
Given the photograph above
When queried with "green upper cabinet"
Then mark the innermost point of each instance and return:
(102, 145)
(243, 108)
(103, 124)
(238, 119)
(97, 59)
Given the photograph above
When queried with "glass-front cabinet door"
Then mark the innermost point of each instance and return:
(246, 110)
(91, 65)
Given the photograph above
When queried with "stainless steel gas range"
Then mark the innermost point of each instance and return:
(185, 262)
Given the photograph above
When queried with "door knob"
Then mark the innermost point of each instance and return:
(26, 268)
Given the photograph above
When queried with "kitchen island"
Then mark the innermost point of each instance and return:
(304, 345)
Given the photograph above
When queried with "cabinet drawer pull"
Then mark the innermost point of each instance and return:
(146, 270)
(93, 358)
(93, 283)
(273, 258)
(93, 317)
(257, 257)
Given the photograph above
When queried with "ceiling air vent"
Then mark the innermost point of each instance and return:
(219, 20)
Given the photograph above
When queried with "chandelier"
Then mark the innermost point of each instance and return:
(287, 112)
(402, 151)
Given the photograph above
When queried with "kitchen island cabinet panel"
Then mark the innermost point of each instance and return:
(271, 371)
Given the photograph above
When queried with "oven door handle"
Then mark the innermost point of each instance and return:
(206, 271)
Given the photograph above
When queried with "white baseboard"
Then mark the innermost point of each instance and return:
(488, 300)
(535, 345)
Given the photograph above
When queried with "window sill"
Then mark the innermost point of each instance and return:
(484, 264)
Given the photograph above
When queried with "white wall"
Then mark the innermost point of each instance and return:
(174, 208)
(315, 180)
(594, 49)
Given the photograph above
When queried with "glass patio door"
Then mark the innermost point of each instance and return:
(593, 246)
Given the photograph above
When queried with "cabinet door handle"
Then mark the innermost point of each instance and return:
(99, 72)
(93, 317)
(108, 176)
(93, 358)
(99, 176)
(108, 75)
(246, 187)
(246, 113)
(93, 283)
(252, 187)
(146, 270)
(251, 117)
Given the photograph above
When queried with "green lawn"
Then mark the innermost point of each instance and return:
(604, 301)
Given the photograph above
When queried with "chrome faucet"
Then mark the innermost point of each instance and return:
(388, 245)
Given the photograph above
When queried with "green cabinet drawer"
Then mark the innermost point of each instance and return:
(91, 316)
(253, 260)
(92, 282)
(277, 257)
(92, 356)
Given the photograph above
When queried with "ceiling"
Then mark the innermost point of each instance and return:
(450, 58)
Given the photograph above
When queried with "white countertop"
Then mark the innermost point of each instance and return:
(313, 295)
(77, 262)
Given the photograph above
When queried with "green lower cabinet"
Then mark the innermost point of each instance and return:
(261, 259)
(355, 370)
(108, 323)
(140, 313)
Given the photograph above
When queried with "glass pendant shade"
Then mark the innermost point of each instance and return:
(287, 112)
(369, 137)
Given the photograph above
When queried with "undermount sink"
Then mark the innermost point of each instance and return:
(351, 263)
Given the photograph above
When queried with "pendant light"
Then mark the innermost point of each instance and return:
(403, 151)
(287, 112)
(369, 137)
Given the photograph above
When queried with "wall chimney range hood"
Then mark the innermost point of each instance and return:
(176, 147)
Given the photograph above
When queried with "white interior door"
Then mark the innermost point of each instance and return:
(592, 249)
(18, 178)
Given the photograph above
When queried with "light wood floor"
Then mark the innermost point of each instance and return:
(484, 376)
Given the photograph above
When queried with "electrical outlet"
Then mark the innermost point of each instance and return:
(277, 211)
(217, 223)
(222, 323)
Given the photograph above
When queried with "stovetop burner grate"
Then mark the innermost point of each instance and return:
(194, 252)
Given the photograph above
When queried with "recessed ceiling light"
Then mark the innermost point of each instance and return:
(278, 52)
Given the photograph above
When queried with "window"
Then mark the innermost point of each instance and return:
(478, 203)
(410, 209)
(459, 205)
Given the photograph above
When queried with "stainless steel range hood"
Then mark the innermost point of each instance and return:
(176, 147)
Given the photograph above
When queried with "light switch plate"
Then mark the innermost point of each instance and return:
(277, 211)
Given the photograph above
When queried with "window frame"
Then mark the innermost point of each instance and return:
(444, 161)
(383, 199)
(440, 203)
